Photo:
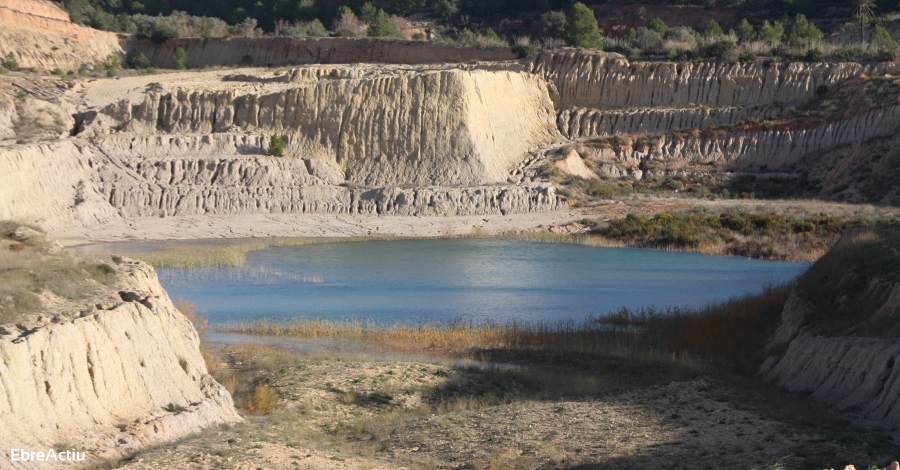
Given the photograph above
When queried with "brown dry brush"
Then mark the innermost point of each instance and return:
(727, 333)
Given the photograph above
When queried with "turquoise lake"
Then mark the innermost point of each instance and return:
(462, 279)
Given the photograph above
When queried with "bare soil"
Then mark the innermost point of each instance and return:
(342, 410)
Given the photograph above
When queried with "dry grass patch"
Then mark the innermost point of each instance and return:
(28, 269)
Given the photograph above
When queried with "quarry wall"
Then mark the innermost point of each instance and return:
(103, 377)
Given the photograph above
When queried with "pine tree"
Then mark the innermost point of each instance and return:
(582, 29)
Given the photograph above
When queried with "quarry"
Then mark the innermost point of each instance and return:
(364, 137)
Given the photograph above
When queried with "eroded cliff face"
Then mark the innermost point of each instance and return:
(611, 82)
(856, 374)
(838, 334)
(447, 127)
(42, 36)
(97, 376)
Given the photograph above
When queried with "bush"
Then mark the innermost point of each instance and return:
(524, 49)
(315, 28)
(263, 400)
(712, 29)
(744, 31)
(11, 62)
(721, 49)
(21, 95)
(554, 24)
(112, 62)
(658, 25)
(800, 29)
(771, 33)
(276, 146)
(247, 59)
(163, 33)
(882, 39)
(136, 60)
(813, 55)
(581, 28)
(383, 26)
(3, 70)
(179, 59)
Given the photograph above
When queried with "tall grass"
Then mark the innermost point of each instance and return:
(725, 333)
(206, 256)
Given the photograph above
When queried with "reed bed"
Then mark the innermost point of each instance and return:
(728, 332)
(206, 256)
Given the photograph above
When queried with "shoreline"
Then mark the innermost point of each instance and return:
(214, 227)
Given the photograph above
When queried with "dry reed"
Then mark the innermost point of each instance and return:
(719, 332)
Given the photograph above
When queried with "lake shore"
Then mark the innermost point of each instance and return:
(192, 227)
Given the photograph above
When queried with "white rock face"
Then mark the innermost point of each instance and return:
(43, 37)
(445, 127)
(611, 82)
(101, 379)
(774, 148)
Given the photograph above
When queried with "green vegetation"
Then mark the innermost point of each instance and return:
(247, 59)
(276, 146)
(111, 64)
(581, 29)
(21, 95)
(11, 62)
(179, 59)
(766, 235)
(382, 26)
(31, 266)
(137, 60)
(851, 285)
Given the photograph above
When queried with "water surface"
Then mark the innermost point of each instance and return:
(464, 279)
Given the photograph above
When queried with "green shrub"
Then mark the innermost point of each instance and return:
(3, 70)
(882, 39)
(582, 29)
(58, 71)
(21, 94)
(136, 60)
(744, 31)
(163, 32)
(658, 25)
(383, 26)
(247, 59)
(813, 55)
(801, 29)
(276, 146)
(11, 61)
(712, 29)
(771, 33)
(721, 49)
(179, 59)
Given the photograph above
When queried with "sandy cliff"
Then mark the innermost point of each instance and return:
(838, 335)
(97, 376)
(445, 127)
(42, 36)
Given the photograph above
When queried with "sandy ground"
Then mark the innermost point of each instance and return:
(350, 412)
(345, 225)
(303, 225)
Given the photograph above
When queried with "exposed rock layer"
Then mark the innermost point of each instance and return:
(43, 37)
(100, 379)
(447, 127)
(855, 374)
